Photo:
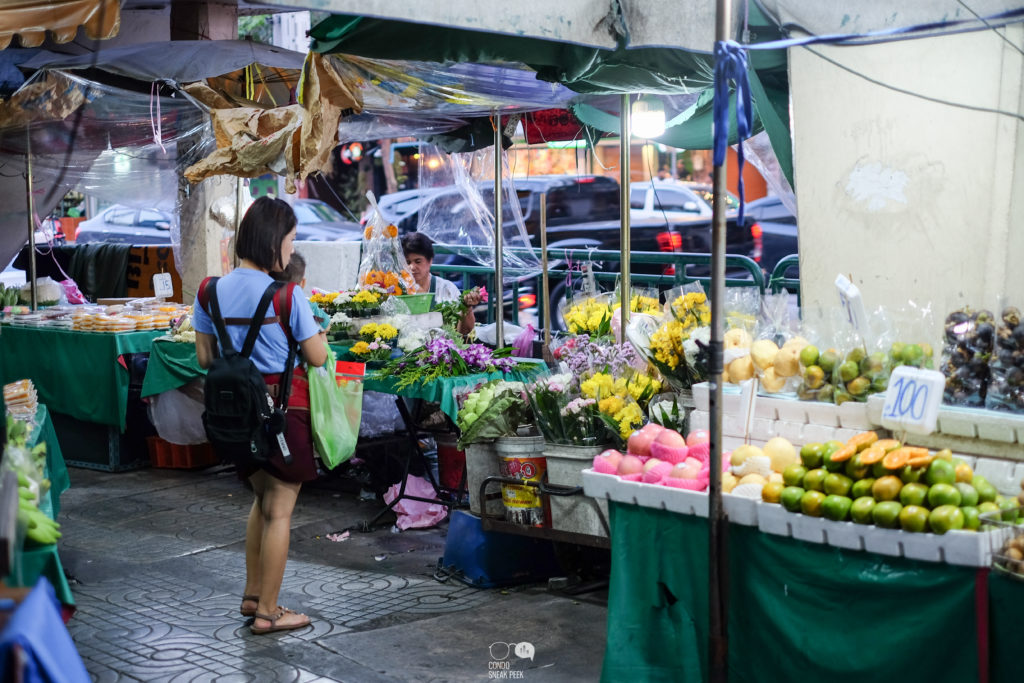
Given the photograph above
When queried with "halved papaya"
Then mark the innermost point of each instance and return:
(862, 440)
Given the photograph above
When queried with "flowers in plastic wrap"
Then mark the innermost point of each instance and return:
(355, 304)
(565, 417)
(383, 262)
(677, 343)
(619, 399)
(491, 410)
(591, 316)
(441, 356)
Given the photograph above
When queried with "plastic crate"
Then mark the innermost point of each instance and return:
(169, 455)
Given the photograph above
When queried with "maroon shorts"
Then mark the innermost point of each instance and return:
(298, 434)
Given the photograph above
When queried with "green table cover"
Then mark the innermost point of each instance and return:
(171, 365)
(1005, 605)
(174, 364)
(797, 611)
(56, 470)
(441, 391)
(30, 564)
(75, 373)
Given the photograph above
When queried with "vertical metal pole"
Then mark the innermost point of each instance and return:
(499, 280)
(544, 281)
(624, 247)
(718, 560)
(34, 302)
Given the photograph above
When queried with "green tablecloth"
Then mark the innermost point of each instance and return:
(171, 365)
(31, 563)
(441, 391)
(174, 364)
(56, 470)
(76, 373)
(797, 611)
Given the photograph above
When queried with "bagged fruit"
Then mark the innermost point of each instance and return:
(969, 336)
(775, 351)
(852, 375)
(913, 328)
(818, 358)
(741, 307)
(1006, 380)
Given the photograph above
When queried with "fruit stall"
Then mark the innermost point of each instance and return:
(33, 456)
(81, 360)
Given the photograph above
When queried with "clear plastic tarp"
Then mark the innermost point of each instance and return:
(459, 208)
(417, 99)
(121, 146)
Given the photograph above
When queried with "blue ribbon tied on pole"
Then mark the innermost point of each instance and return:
(731, 65)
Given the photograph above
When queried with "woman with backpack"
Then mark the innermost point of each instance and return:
(264, 245)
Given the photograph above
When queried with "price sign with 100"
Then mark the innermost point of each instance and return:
(912, 400)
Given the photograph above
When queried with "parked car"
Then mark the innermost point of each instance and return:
(127, 225)
(706, 192)
(317, 221)
(666, 200)
(321, 222)
(775, 225)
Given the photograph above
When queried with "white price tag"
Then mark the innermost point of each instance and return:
(748, 400)
(912, 400)
(163, 288)
(852, 303)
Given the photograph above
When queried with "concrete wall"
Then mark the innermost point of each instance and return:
(914, 198)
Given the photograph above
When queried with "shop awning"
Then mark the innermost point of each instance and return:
(32, 19)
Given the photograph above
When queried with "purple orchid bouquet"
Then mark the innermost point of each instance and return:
(442, 356)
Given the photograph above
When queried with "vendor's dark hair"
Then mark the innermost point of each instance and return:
(294, 272)
(418, 243)
(262, 230)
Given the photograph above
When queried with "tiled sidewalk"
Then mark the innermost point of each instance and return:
(160, 568)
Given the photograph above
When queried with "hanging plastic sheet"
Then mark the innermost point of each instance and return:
(459, 210)
(419, 99)
(121, 146)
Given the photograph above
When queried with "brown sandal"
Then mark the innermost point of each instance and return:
(248, 612)
(273, 619)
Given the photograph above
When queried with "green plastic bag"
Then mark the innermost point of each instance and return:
(335, 411)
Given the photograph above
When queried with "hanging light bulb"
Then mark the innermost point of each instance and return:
(648, 117)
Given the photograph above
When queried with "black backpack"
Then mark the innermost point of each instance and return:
(241, 420)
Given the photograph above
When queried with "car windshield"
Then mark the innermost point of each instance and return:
(704, 192)
(305, 214)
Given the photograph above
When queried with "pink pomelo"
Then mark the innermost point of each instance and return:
(697, 436)
(702, 452)
(638, 476)
(658, 472)
(607, 462)
(651, 462)
(630, 464)
(669, 446)
(640, 442)
(688, 484)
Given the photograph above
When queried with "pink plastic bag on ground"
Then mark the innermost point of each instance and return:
(415, 514)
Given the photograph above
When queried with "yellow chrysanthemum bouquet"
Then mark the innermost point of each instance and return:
(590, 315)
(676, 342)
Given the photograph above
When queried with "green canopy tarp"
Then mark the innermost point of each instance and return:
(586, 70)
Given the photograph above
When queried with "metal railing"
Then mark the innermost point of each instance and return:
(778, 280)
(742, 271)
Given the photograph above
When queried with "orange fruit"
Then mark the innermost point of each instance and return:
(896, 460)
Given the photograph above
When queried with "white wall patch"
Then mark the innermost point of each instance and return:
(877, 186)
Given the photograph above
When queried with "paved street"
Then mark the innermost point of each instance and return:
(158, 565)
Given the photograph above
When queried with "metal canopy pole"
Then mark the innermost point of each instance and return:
(34, 301)
(718, 573)
(499, 279)
(624, 138)
(544, 280)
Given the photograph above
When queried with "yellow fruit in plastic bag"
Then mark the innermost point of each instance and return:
(738, 338)
(771, 381)
(787, 361)
(741, 369)
(763, 353)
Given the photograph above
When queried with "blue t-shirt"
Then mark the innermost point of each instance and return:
(238, 294)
